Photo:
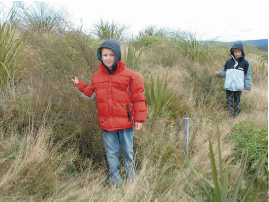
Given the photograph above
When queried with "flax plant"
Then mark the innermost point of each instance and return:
(157, 95)
(132, 57)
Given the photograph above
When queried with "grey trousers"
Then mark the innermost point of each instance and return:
(233, 102)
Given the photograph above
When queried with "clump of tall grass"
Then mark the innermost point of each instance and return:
(194, 49)
(109, 30)
(42, 18)
(152, 31)
(31, 165)
(175, 42)
(11, 50)
(262, 66)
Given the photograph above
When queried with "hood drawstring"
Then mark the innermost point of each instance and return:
(236, 62)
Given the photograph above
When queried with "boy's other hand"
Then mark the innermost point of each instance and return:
(138, 126)
(245, 91)
(217, 73)
(75, 80)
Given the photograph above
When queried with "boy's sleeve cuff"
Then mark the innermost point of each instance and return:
(80, 85)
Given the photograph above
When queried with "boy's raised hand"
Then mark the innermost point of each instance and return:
(217, 73)
(75, 80)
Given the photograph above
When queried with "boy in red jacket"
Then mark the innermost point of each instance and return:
(121, 102)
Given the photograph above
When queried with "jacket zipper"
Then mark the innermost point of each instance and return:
(110, 99)
(128, 113)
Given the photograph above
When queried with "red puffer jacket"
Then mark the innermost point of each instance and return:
(120, 97)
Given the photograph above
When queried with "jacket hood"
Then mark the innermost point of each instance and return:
(115, 46)
(238, 46)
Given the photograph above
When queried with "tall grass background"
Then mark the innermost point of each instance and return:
(51, 148)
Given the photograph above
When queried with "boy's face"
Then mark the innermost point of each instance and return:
(108, 57)
(237, 53)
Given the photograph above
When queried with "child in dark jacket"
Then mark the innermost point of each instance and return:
(237, 73)
(121, 104)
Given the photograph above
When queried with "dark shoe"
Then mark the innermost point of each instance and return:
(236, 114)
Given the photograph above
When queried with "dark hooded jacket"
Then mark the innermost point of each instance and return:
(119, 93)
(237, 71)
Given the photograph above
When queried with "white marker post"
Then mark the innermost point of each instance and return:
(186, 135)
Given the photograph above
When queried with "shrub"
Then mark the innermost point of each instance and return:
(76, 120)
(149, 36)
(202, 83)
(169, 56)
(48, 89)
(252, 141)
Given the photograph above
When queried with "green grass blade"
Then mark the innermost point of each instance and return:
(236, 193)
(211, 184)
(186, 176)
(256, 192)
(224, 193)
(220, 159)
(199, 177)
(214, 174)
(254, 176)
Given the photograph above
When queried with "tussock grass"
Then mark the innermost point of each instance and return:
(11, 50)
(109, 30)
